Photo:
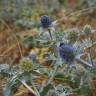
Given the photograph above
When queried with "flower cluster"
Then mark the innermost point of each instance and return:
(67, 52)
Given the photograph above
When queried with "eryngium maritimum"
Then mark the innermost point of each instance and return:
(67, 52)
(46, 22)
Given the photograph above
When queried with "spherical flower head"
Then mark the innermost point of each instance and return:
(46, 22)
(26, 64)
(87, 30)
(67, 52)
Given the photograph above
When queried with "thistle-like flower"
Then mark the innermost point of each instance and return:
(46, 22)
(26, 64)
(67, 52)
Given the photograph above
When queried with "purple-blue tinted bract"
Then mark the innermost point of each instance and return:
(67, 52)
(33, 57)
(46, 22)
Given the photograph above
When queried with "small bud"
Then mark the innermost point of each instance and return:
(73, 37)
(33, 56)
(26, 64)
(87, 30)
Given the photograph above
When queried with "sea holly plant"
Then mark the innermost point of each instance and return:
(66, 72)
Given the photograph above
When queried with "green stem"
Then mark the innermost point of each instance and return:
(55, 53)
(51, 78)
(28, 87)
(50, 34)
(37, 93)
(90, 52)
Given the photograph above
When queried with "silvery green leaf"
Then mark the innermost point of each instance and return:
(4, 67)
(86, 43)
(42, 41)
(4, 70)
(59, 36)
(79, 48)
(63, 90)
(63, 94)
(50, 56)
(54, 23)
(52, 93)
(10, 86)
(59, 62)
(44, 71)
(46, 89)
(87, 30)
(36, 66)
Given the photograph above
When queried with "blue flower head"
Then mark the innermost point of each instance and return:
(46, 21)
(67, 52)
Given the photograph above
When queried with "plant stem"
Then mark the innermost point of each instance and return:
(51, 78)
(90, 52)
(29, 88)
(55, 53)
(50, 34)
(37, 93)
(81, 61)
